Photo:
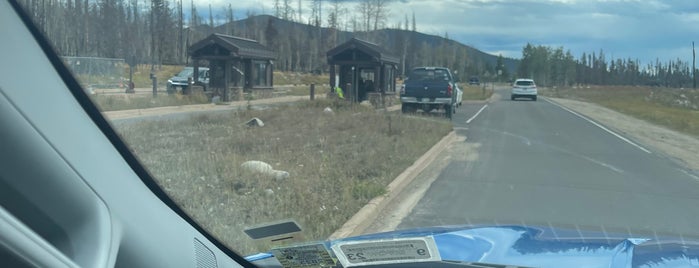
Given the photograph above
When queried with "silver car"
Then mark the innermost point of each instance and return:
(182, 79)
(524, 88)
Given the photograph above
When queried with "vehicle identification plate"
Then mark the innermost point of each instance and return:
(400, 250)
(304, 256)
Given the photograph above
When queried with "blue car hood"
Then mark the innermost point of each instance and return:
(542, 247)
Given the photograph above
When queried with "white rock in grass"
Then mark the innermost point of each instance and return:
(255, 122)
(327, 110)
(269, 191)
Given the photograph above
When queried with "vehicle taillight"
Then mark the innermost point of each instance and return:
(402, 89)
(449, 90)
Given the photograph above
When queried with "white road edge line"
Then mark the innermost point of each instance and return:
(600, 126)
(689, 174)
(474, 116)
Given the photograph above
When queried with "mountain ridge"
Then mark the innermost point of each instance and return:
(262, 27)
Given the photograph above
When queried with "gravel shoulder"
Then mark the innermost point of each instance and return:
(681, 147)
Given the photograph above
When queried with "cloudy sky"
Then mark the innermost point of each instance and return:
(643, 29)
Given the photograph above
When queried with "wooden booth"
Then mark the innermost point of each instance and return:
(236, 65)
(364, 71)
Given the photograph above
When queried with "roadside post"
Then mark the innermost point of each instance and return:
(188, 89)
(130, 86)
(155, 82)
(313, 91)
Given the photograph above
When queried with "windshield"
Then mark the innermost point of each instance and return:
(524, 83)
(187, 72)
(429, 75)
(303, 132)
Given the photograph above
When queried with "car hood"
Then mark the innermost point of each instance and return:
(179, 78)
(536, 247)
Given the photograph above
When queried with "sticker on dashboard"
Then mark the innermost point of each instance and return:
(315, 255)
(399, 250)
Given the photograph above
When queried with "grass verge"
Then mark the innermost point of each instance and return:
(141, 75)
(292, 78)
(303, 90)
(660, 106)
(475, 92)
(117, 102)
(338, 162)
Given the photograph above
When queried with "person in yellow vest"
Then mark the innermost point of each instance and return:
(338, 92)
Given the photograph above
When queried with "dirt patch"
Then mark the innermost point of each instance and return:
(682, 147)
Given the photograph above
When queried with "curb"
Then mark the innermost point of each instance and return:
(365, 216)
(493, 97)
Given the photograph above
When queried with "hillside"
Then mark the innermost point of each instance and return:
(298, 46)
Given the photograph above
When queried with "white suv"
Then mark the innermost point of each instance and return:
(524, 88)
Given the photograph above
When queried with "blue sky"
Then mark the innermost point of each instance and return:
(642, 29)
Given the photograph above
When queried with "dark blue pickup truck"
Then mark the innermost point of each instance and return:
(428, 89)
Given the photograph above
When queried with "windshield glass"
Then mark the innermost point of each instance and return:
(525, 83)
(303, 120)
(429, 75)
(186, 72)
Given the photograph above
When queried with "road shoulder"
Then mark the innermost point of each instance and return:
(678, 146)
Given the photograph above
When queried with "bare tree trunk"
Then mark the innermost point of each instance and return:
(380, 13)
(180, 35)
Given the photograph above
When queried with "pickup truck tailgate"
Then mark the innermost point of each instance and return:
(428, 83)
(426, 89)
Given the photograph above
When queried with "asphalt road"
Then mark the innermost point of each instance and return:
(534, 163)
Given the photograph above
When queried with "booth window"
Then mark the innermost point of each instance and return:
(259, 74)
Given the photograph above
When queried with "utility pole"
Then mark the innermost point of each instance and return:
(694, 67)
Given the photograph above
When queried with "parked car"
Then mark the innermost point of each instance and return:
(428, 89)
(474, 81)
(181, 79)
(459, 95)
(524, 88)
